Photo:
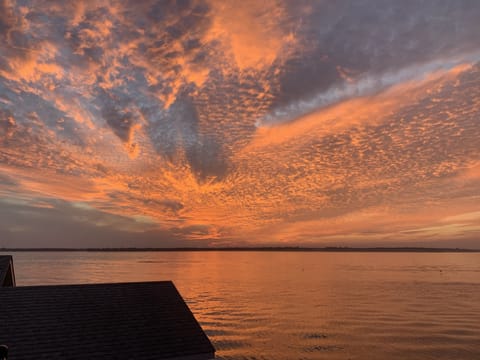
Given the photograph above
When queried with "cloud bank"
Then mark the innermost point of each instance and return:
(171, 123)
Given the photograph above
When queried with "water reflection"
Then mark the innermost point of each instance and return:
(289, 305)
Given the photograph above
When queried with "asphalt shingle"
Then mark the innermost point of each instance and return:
(100, 321)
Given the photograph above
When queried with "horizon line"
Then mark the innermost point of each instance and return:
(251, 248)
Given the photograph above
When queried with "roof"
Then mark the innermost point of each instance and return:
(119, 321)
(7, 277)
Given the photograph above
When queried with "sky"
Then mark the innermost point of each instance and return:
(239, 123)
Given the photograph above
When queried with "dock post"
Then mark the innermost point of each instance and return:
(3, 352)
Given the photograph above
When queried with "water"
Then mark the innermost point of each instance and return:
(293, 305)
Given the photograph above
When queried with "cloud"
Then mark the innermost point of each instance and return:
(7, 123)
(368, 85)
(62, 225)
(348, 48)
(223, 123)
(256, 33)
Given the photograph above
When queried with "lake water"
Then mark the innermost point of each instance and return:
(301, 305)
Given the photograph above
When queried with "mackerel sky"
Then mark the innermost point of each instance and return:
(239, 123)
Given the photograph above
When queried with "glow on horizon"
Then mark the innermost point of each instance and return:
(212, 123)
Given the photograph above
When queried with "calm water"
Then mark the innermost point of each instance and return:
(290, 305)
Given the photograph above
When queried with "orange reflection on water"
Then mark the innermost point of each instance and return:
(310, 305)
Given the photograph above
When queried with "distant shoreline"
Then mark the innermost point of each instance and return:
(252, 249)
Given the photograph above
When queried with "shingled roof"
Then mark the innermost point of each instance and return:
(7, 277)
(100, 321)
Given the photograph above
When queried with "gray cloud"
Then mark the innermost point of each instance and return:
(370, 38)
(63, 225)
(363, 86)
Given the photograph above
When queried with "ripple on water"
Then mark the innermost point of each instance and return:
(259, 306)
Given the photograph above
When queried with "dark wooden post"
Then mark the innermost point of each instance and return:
(3, 352)
(7, 273)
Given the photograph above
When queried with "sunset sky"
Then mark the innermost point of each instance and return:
(239, 123)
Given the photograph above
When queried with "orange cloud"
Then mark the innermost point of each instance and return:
(253, 31)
